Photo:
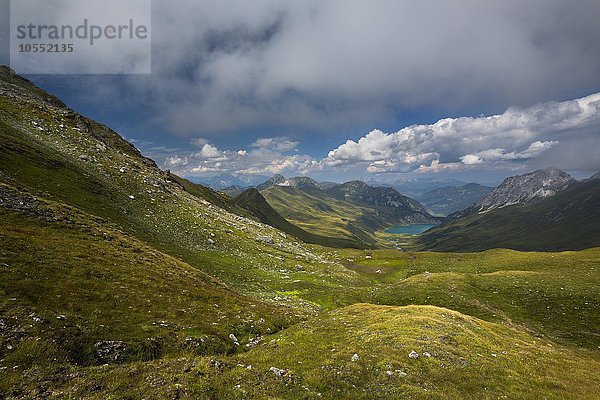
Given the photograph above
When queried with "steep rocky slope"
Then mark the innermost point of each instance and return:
(567, 220)
(526, 188)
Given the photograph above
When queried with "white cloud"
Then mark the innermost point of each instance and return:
(265, 156)
(517, 134)
(176, 161)
(297, 164)
(518, 138)
(535, 149)
(471, 159)
(209, 151)
(436, 166)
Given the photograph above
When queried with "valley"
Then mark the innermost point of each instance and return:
(122, 280)
(352, 214)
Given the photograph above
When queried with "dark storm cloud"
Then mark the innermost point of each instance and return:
(229, 67)
(324, 65)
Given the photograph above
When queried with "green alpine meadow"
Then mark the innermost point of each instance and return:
(121, 280)
(301, 200)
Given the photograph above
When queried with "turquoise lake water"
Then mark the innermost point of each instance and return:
(413, 229)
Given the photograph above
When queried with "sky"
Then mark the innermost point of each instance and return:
(343, 89)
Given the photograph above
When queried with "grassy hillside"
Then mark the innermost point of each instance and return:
(57, 154)
(365, 352)
(569, 220)
(252, 201)
(555, 295)
(119, 280)
(76, 290)
(216, 198)
(323, 215)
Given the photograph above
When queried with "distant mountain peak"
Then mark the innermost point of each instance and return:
(523, 189)
(300, 182)
(276, 179)
(386, 197)
(356, 184)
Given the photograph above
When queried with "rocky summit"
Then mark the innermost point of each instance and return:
(526, 188)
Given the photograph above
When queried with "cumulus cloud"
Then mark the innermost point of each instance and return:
(176, 161)
(209, 151)
(516, 139)
(544, 135)
(264, 156)
(296, 164)
(519, 134)
(532, 151)
(471, 159)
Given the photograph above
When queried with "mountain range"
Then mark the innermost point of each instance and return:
(121, 280)
(226, 181)
(352, 211)
(542, 210)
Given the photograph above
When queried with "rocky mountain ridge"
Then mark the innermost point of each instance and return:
(567, 220)
(382, 197)
(357, 192)
(526, 188)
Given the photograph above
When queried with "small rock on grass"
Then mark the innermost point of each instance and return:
(278, 371)
(234, 339)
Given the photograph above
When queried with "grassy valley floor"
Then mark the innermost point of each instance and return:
(89, 312)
